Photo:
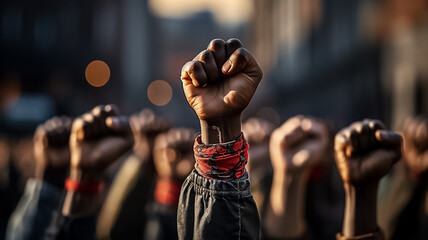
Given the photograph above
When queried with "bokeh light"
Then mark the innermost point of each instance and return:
(97, 73)
(159, 92)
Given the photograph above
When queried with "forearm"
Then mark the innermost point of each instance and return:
(82, 202)
(360, 210)
(286, 213)
(54, 176)
(220, 130)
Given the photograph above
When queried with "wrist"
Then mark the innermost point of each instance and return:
(220, 130)
(79, 175)
(55, 176)
(360, 209)
(82, 196)
(287, 205)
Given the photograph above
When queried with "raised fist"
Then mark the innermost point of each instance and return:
(415, 144)
(51, 146)
(221, 80)
(97, 139)
(146, 126)
(257, 131)
(173, 154)
(299, 144)
(366, 151)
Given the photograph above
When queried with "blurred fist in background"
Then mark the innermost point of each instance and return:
(299, 144)
(146, 126)
(173, 154)
(98, 138)
(366, 151)
(51, 150)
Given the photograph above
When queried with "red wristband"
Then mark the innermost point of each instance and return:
(221, 160)
(83, 187)
(167, 192)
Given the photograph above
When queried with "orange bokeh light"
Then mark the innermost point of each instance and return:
(97, 73)
(159, 92)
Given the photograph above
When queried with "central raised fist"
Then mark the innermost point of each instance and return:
(221, 80)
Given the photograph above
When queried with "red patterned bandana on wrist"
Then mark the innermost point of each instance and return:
(221, 160)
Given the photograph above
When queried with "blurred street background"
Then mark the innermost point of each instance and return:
(337, 60)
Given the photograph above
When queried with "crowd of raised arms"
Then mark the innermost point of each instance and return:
(174, 183)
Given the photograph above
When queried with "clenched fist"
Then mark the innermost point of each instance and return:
(219, 84)
(366, 151)
(415, 144)
(51, 149)
(173, 154)
(299, 144)
(146, 126)
(97, 139)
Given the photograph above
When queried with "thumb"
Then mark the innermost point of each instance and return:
(119, 124)
(389, 138)
(242, 61)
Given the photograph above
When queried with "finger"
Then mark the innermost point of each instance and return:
(375, 124)
(363, 138)
(352, 140)
(421, 136)
(389, 138)
(314, 127)
(194, 71)
(66, 126)
(111, 110)
(340, 143)
(237, 62)
(91, 128)
(41, 135)
(100, 114)
(119, 125)
(295, 137)
(372, 142)
(218, 47)
(379, 163)
(231, 46)
(210, 66)
(78, 129)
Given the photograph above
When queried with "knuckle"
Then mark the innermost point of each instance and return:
(216, 43)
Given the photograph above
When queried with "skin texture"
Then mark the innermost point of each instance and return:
(146, 126)
(365, 152)
(415, 145)
(173, 154)
(219, 84)
(295, 147)
(97, 139)
(51, 150)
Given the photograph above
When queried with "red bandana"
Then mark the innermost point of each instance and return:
(221, 160)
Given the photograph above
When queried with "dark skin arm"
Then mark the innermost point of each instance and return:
(295, 147)
(97, 139)
(219, 84)
(173, 155)
(365, 152)
(415, 145)
(51, 150)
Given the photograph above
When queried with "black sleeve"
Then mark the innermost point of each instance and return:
(71, 227)
(217, 209)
